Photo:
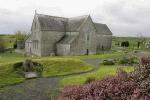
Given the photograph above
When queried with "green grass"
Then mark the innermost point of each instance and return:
(133, 41)
(107, 55)
(102, 72)
(8, 57)
(51, 67)
(9, 40)
(8, 76)
(63, 66)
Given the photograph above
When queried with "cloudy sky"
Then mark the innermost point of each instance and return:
(123, 17)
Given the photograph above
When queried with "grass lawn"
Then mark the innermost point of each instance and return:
(8, 76)
(8, 57)
(51, 67)
(105, 55)
(63, 66)
(99, 74)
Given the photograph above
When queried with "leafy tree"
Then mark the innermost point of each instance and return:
(125, 44)
(2, 47)
(20, 35)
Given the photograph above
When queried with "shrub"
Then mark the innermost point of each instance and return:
(125, 44)
(110, 88)
(17, 65)
(89, 80)
(36, 67)
(108, 62)
(2, 47)
(127, 60)
(15, 45)
(132, 86)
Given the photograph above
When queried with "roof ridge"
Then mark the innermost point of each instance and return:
(99, 23)
(79, 16)
(52, 16)
(84, 21)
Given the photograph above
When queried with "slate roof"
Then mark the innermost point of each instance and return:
(74, 23)
(51, 22)
(54, 23)
(67, 39)
(102, 29)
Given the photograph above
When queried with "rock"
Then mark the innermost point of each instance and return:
(29, 75)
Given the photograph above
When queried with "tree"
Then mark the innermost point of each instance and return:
(20, 35)
(2, 47)
(125, 44)
(141, 40)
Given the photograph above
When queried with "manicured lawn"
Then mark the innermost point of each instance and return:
(102, 72)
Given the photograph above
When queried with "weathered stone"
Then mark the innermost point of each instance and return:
(28, 65)
(29, 75)
(67, 36)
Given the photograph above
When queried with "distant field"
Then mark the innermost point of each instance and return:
(8, 40)
(8, 57)
(102, 72)
(133, 41)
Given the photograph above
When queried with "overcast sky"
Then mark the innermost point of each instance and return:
(123, 17)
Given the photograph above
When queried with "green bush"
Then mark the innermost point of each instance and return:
(108, 62)
(37, 67)
(125, 44)
(127, 60)
(17, 65)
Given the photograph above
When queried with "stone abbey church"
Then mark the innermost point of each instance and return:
(52, 35)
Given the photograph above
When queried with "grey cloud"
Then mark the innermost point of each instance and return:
(125, 19)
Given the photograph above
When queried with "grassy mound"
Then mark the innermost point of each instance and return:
(63, 66)
(51, 67)
(99, 74)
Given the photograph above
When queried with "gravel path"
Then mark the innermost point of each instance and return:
(37, 89)
(143, 53)
(40, 88)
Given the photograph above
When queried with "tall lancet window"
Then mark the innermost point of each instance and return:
(88, 38)
(35, 24)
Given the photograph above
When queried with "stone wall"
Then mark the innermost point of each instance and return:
(63, 49)
(104, 42)
(86, 40)
(49, 41)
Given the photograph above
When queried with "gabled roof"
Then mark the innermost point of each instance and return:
(102, 29)
(51, 22)
(54, 23)
(74, 23)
